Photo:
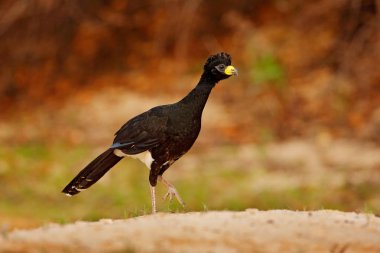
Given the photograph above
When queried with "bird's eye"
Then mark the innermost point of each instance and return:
(220, 67)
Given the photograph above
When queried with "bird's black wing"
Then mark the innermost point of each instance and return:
(142, 132)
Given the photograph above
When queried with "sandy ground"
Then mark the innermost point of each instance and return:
(248, 231)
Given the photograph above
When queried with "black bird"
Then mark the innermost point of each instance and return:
(159, 136)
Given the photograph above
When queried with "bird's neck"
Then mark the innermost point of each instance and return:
(207, 79)
(197, 97)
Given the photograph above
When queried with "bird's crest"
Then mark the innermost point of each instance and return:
(217, 59)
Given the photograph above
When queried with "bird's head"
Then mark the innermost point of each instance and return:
(219, 67)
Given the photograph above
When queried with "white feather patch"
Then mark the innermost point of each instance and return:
(145, 157)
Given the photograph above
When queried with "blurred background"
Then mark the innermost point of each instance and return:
(299, 128)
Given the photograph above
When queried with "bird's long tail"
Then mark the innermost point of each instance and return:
(92, 172)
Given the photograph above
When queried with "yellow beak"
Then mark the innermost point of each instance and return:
(230, 70)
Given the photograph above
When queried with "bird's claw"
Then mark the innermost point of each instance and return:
(173, 192)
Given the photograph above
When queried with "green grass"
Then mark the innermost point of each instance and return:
(266, 69)
(33, 175)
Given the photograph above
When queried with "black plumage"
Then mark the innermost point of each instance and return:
(163, 134)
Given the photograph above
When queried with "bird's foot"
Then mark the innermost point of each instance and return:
(172, 191)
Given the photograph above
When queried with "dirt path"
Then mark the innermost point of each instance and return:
(249, 231)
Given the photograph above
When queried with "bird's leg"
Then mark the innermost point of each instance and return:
(171, 191)
(153, 195)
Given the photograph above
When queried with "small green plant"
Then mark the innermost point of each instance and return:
(266, 69)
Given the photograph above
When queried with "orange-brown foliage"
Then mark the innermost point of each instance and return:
(328, 51)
